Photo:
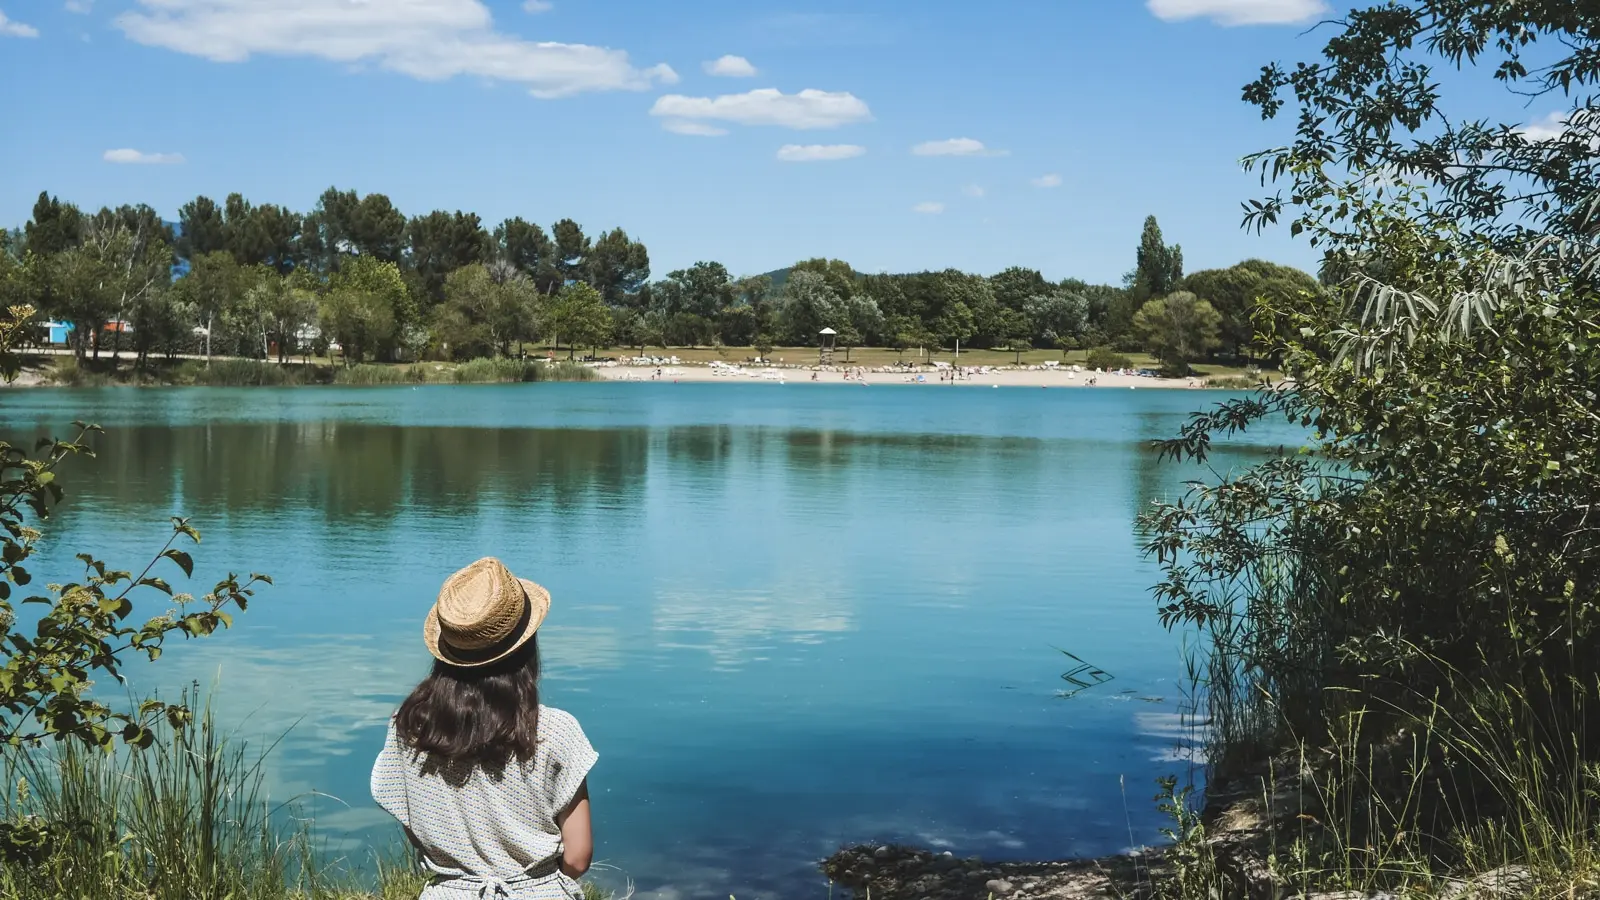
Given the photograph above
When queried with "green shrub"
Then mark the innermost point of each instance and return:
(1108, 359)
(67, 373)
(372, 373)
(494, 371)
(1234, 382)
(239, 373)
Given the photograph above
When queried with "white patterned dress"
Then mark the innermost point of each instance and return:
(484, 836)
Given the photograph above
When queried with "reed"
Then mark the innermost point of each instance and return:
(188, 818)
(233, 372)
(374, 374)
(65, 372)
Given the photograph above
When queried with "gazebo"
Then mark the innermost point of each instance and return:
(825, 345)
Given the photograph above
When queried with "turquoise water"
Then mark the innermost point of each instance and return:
(789, 617)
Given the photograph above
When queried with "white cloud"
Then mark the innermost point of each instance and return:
(1565, 126)
(955, 147)
(426, 39)
(1239, 12)
(1548, 128)
(768, 106)
(819, 152)
(974, 191)
(928, 209)
(1047, 181)
(537, 6)
(81, 7)
(730, 67)
(9, 28)
(695, 129)
(134, 157)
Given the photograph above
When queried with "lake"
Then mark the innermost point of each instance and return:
(788, 617)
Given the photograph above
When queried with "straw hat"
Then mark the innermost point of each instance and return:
(483, 615)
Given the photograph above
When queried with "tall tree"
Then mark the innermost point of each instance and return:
(261, 235)
(1158, 267)
(617, 267)
(576, 314)
(202, 228)
(137, 248)
(1236, 292)
(213, 282)
(525, 246)
(1016, 285)
(1178, 329)
(703, 290)
(56, 227)
(809, 305)
(441, 243)
(347, 224)
(955, 324)
(486, 309)
(571, 249)
(366, 306)
(290, 305)
(378, 229)
(1056, 316)
(838, 273)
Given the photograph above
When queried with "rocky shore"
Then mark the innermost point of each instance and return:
(1240, 817)
(904, 873)
(1242, 820)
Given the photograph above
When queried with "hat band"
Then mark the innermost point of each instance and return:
(485, 654)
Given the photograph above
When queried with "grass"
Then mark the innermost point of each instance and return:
(1418, 796)
(186, 819)
(477, 371)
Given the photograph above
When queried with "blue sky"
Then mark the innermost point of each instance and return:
(898, 135)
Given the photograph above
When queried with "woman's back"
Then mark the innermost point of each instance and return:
(469, 821)
(489, 784)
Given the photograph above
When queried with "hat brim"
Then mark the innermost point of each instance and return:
(538, 607)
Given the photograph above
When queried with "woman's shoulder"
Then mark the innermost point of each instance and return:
(556, 721)
(560, 733)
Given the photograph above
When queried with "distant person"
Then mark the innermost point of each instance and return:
(491, 787)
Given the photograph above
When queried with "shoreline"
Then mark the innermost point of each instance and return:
(682, 372)
(1240, 816)
(690, 373)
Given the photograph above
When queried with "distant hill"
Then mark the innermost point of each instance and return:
(779, 278)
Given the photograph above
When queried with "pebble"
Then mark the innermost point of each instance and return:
(881, 853)
(998, 886)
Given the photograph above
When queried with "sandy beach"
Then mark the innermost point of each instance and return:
(1024, 378)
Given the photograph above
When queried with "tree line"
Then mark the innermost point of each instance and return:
(263, 281)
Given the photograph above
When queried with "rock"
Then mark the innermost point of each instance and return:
(1030, 886)
(1496, 884)
(998, 886)
(881, 853)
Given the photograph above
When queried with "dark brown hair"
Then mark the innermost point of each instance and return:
(464, 718)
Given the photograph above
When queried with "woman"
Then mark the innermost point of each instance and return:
(491, 787)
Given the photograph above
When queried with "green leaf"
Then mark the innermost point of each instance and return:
(184, 561)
